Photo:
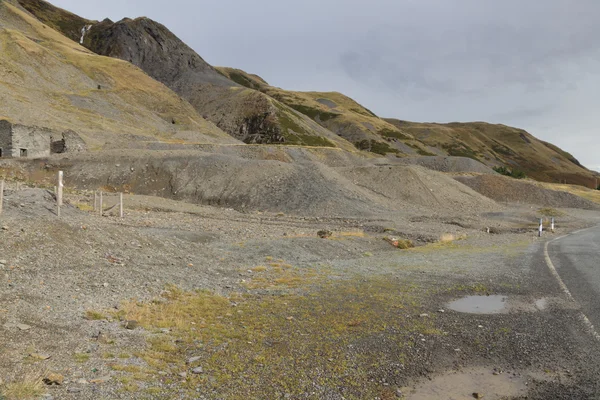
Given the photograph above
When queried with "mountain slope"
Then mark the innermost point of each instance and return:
(245, 114)
(501, 145)
(66, 22)
(339, 114)
(48, 80)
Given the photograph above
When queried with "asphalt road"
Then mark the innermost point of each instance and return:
(577, 260)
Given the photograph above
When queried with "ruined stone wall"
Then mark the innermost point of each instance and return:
(5, 138)
(30, 141)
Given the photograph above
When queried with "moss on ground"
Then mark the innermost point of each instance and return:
(396, 134)
(296, 134)
(314, 113)
(376, 147)
(307, 331)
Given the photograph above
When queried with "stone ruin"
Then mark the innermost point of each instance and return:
(20, 141)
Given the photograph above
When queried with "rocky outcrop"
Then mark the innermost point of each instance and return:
(156, 50)
(245, 114)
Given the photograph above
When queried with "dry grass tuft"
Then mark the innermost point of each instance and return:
(447, 238)
(30, 387)
(92, 315)
(551, 212)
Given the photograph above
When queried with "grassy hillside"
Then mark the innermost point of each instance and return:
(67, 23)
(501, 145)
(339, 114)
(48, 80)
(242, 104)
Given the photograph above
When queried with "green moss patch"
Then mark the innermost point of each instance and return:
(376, 147)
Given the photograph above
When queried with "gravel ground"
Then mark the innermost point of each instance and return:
(53, 271)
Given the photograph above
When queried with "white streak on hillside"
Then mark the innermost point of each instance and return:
(84, 30)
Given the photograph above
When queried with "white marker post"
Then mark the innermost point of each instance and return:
(59, 192)
(541, 227)
(121, 205)
(101, 203)
(1, 195)
(552, 226)
(95, 201)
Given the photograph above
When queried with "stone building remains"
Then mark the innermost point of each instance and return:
(20, 141)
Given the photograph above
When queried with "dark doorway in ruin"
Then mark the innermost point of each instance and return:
(0, 153)
(23, 152)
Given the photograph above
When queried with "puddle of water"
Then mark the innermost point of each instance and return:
(495, 304)
(461, 386)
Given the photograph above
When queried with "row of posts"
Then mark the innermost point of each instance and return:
(541, 228)
(59, 197)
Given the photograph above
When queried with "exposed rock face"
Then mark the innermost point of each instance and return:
(156, 50)
(151, 46)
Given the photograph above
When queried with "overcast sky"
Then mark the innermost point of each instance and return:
(534, 64)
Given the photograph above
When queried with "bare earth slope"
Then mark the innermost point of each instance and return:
(51, 81)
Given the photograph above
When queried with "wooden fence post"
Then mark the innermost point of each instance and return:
(95, 201)
(1, 195)
(121, 205)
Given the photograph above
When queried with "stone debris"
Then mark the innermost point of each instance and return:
(192, 360)
(40, 356)
(54, 379)
(324, 234)
(131, 324)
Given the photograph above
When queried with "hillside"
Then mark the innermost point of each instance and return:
(339, 114)
(246, 107)
(501, 145)
(48, 80)
(245, 114)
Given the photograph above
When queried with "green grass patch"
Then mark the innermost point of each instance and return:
(328, 334)
(376, 147)
(390, 133)
(81, 357)
(314, 113)
(460, 150)
(550, 212)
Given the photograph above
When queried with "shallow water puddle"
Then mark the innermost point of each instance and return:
(462, 385)
(495, 304)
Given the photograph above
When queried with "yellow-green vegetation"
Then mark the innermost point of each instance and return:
(28, 388)
(81, 357)
(492, 144)
(550, 212)
(333, 111)
(405, 244)
(327, 333)
(243, 78)
(94, 315)
(61, 20)
(586, 193)
(344, 116)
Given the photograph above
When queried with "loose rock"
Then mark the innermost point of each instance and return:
(54, 379)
